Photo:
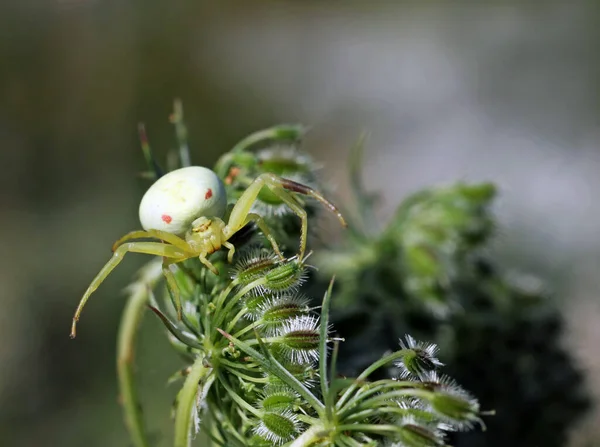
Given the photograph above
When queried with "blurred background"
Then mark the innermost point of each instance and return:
(506, 92)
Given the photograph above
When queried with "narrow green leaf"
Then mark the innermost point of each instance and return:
(323, 341)
(182, 337)
(272, 366)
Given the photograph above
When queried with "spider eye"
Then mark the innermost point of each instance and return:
(201, 224)
(183, 196)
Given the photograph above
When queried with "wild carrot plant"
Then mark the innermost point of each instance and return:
(226, 280)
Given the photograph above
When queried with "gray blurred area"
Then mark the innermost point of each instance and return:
(506, 91)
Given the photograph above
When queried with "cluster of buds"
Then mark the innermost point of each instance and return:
(423, 249)
(275, 150)
(260, 361)
(266, 382)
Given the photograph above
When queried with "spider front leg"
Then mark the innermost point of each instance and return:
(229, 246)
(155, 234)
(207, 263)
(150, 248)
(258, 220)
(241, 210)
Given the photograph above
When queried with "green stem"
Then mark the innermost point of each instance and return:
(187, 400)
(374, 412)
(372, 428)
(222, 312)
(250, 327)
(311, 435)
(233, 322)
(238, 399)
(128, 330)
(383, 400)
(243, 376)
(379, 387)
(365, 374)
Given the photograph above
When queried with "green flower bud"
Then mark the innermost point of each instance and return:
(287, 276)
(416, 435)
(278, 398)
(253, 264)
(419, 360)
(277, 427)
(275, 310)
(461, 410)
(299, 339)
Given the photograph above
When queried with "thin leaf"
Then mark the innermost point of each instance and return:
(323, 340)
(182, 337)
(271, 365)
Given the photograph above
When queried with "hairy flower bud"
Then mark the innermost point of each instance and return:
(287, 276)
(253, 264)
(277, 427)
(299, 339)
(461, 410)
(419, 360)
(275, 310)
(278, 398)
(413, 434)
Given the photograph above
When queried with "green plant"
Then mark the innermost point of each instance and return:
(429, 273)
(260, 362)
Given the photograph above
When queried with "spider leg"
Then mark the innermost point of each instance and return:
(278, 186)
(207, 263)
(301, 213)
(308, 191)
(150, 248)
(155, 234)
(252, 217)
(231, 252)
(172, 285)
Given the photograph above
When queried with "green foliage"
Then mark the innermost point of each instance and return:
(428, 274)
(260, 364)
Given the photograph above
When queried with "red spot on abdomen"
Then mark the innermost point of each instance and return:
(166, 218)
(208, 194)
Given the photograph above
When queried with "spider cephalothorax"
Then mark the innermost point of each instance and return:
(206, 233)
(185, 211)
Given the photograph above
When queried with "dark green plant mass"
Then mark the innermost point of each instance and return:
(259, 359)
(428, 273)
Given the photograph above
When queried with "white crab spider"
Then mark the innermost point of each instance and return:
(185, 209)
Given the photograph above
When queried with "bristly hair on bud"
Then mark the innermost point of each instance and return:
(460, 411)
(299, 338)
(415, 433)
(420, 359)
(458, 408)
(278, 428)
(441, 382)
(278, 397)
(253, 263)
(288, 276)
(275, 310)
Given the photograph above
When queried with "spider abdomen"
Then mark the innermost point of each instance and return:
(178, 198)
